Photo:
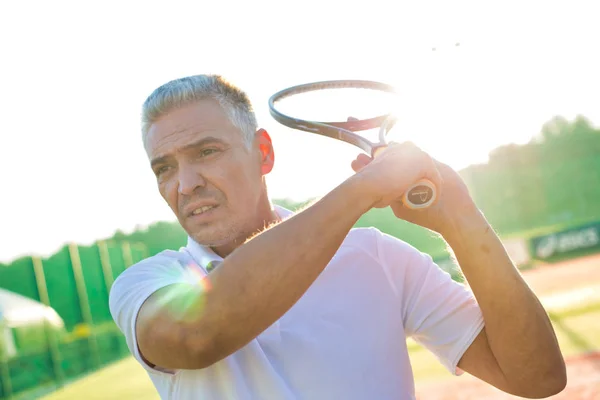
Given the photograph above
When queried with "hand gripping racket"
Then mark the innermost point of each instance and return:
(419, 195)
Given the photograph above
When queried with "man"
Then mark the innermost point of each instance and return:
(303, 306)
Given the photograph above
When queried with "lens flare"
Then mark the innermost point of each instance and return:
(186, 299)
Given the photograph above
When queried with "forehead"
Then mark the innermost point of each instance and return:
(188, 124)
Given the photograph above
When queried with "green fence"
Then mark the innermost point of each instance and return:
(75, 282)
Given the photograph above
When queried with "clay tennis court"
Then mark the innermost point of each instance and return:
(564, 276)
(583, 370)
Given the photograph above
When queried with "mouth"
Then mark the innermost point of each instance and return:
(202, 210)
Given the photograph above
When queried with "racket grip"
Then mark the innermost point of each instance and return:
(420, 195)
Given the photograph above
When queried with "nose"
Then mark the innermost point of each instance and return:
(189, 180)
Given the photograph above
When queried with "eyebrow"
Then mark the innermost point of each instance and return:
(191, 146)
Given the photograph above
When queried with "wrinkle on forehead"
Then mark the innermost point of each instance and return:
(178, 139)
(189, 124)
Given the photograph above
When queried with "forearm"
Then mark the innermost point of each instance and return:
(518, 329)
(262, 279)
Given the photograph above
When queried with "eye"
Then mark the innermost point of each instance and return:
(208, 151)
(161, 170)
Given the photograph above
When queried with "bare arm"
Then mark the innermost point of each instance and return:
(518, 351)
(251, 289)
(262, 279)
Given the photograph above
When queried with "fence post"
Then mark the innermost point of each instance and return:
(144, 250)
(106, 266)
(127, 257)
(141, 247)
(83, 300)
(5, 373)
(40, 279)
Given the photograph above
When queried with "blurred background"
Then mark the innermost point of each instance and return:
(506, 93)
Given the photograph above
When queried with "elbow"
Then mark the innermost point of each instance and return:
(543, 391)
(555, 380)
(555, 384)
(551, 383)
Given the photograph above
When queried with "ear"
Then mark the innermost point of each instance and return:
(267, 154)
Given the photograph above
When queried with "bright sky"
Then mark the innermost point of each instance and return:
(73, 76)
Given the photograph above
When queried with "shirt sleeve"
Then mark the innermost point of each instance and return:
(136, 284)
(438, 312)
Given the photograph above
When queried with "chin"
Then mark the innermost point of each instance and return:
(213, 237)
(218, 233)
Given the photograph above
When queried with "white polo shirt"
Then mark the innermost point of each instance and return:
(344, 339)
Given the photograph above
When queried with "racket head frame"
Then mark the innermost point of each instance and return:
(340, 130)
(345, 130)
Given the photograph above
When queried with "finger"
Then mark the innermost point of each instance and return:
(429, 176)
(360, 162)
(435, 176)
(441, 166)
(357, 165)
(363, 158)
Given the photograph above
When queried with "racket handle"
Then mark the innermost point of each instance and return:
(420, 195)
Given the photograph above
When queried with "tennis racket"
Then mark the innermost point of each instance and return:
(319, 100)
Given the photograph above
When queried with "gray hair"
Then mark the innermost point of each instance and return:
(184, 91)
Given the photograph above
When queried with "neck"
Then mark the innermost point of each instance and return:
(265, 218)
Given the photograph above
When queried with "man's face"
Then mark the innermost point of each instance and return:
(210, 179)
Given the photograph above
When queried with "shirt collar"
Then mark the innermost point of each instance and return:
(204, 255)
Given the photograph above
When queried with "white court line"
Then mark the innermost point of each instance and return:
(571, 298)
